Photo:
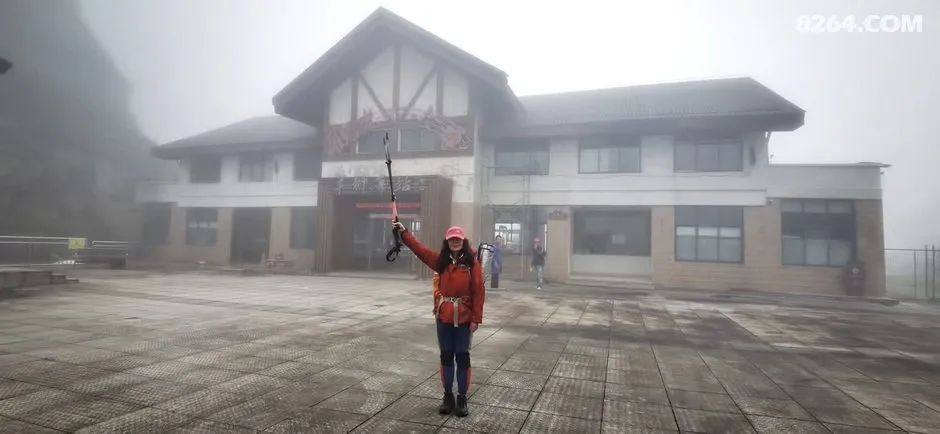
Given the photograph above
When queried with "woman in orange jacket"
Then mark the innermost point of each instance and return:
(458, 307)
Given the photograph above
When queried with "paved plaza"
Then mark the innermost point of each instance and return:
(134, 352)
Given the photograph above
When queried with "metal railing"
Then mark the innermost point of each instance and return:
(911, 273)
(26, 251)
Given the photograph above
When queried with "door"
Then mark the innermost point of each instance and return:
(372, 239)
(251, 232)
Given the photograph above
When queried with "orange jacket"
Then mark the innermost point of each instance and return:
(456, 281)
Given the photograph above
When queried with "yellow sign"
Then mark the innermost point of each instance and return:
(77, 243)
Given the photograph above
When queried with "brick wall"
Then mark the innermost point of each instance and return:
(762, 268)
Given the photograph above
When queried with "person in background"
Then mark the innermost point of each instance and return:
(538, 263)
(496, 263)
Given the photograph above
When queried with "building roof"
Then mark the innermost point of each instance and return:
(733, 96)
(258, 133)
(378, 30)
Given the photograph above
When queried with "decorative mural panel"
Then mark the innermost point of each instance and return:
(424, 89)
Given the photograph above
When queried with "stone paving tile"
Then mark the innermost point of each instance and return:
(575, 387)
(124, 363)
(251, 385)
(571, 406)
(580, 372)
(851, 415)
(635, 377)
(13, 426)
(642, 395)
(108, 383)
(319, 420)
(150, 392)
(36, 401)
(912, 416)
(551, 423)
(506, 397)
(639, 415)
(781, 408)
(201, 403)
(848, 429)
(71, 416)
(518, 380)
(490, 419)
(257, 414)
(382, 425)
(711, 421)
(702, 401)
(432, 388)
(11, 388)
(148, 420)
(205, 426)
(292, 370)
(531, 366)
(359, 401)
(206, 376)
(764, 424)
(301, 396)
(417, 409)
(392, 383)
(341, 376)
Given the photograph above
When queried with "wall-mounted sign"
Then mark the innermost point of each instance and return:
(558, 215)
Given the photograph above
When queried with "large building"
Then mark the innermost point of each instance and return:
(665, 184)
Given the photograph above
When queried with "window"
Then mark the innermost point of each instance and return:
(156, 225)
(818, 232)
(255, 168)
(302, 223)
(522, 159)
(372, 142)
(307, 165)
(709, 233)
(624, 233)
(201, 226)
(609, 155)
(708, 156)
(418, 139)
(512, 236)
(205, 169)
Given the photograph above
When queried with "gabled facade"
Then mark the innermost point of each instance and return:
(667, 185)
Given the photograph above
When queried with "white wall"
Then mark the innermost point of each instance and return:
(283, 191)
(611, 265)
(459, 169)
(658, 184)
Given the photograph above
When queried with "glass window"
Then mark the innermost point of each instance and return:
(201, 226)
(205, 169)
(522, 159)
(511, 233)
(710, 233)
(302, 223)
(255, 168)
(612, 233)
(708, 156)
(373, 142)
(307, 165)
(818, 232)
(609, 155)
(417, 139)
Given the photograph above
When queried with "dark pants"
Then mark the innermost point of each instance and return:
(494, 280)
(454, 343)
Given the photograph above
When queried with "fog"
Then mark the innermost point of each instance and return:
(194, 66)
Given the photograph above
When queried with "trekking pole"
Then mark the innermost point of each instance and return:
(392, 254)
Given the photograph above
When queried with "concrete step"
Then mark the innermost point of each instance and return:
(611, 281)
(57, 278)
(23, 277)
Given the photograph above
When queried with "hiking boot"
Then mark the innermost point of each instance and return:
(461, 410)
(447, 405)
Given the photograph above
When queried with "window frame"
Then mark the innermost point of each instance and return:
(192, 217)
(254, 160)
(827, 203)
(435, 143)
(718, 237)
(202, 161)
(527, 148)
(393, 138)
(310, 242)
(579, 221)
(611, 142)
(697, 145)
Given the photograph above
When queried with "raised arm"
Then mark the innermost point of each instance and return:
(426, 255)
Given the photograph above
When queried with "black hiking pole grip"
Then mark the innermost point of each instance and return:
(392, 254)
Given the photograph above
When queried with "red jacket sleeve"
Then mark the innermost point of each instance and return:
(476, 288)
(426, 255)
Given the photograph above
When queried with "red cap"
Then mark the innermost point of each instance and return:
(455, 232)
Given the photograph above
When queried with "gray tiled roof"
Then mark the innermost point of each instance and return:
(666, 100)
(262, 130)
